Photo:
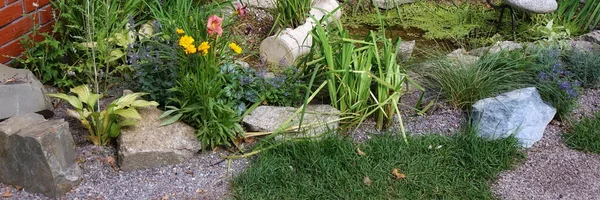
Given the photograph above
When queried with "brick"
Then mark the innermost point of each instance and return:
(29, 4)
(10, 1)
(2, 4)
(45, 14)
(13, 48)
(15, 29)
(10, 13)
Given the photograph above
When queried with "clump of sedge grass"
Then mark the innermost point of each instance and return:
(463, 84)
(585, 135)
(435, 167)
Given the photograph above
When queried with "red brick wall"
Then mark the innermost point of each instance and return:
(17, 18)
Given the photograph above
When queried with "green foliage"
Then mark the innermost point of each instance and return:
(199, 89)
(585, 135)
(440, 21)
(197, 95)
(290, 13)
(585, 66)
(584, 17)
(154, 62)
(462, 84)
(99, 34)
(285, 88)
(553, 81)
(106, 124)
(352, 67)
(436, 167)
(45, 59)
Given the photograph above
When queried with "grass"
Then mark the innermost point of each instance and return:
(461, 168)
(585, 135)
(464, 84)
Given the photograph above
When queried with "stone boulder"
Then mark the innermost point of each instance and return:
(149, 145)
(264, 4)
(269, 118)
(583, 45)
(389, 4)
(405, 50)
(593, 37)
(533, 6)
(520, 112)
(461, 56)
(38, 155)
(505, 46)
(21, 92)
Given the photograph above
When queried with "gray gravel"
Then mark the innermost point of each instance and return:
(194, 179)
(552, 170)
(203, 176)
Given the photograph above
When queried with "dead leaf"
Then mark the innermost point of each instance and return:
(19, 188)
(200, 191)
(359, 152)
(367, 180)
(111, 160)
(166, 197)
(397, 174)
(249, 140)
(7, 194)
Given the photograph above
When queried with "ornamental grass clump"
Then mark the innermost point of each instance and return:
(363, 78)
(462, 84)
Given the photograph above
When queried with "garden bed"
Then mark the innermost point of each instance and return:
(207, 72)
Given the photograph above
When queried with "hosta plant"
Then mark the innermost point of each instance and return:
(103, 125)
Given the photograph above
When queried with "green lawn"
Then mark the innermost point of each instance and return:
(461, 168)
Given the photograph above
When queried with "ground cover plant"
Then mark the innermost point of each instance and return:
(386, 167)
(585, 135)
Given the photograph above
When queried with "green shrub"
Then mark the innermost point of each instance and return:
(553, 81)
(585, 135)
(585, 66)
(155, 65)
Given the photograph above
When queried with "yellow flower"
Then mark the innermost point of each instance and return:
(186, 41)
(180, 31)
(237, 49)
(190, 49)
(204, 46)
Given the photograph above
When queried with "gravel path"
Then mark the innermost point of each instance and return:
(552, 170)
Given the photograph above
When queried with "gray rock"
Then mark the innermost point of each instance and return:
(593, 37)
(389, 4)
(21, 92)
(533, 6)
(583, 45)
(149, 145)
(520, 112)
(405, 50)
(460, 56)
(265, 4)
(269, 118)
(505, 46)
(479, 51)
(38, 155)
